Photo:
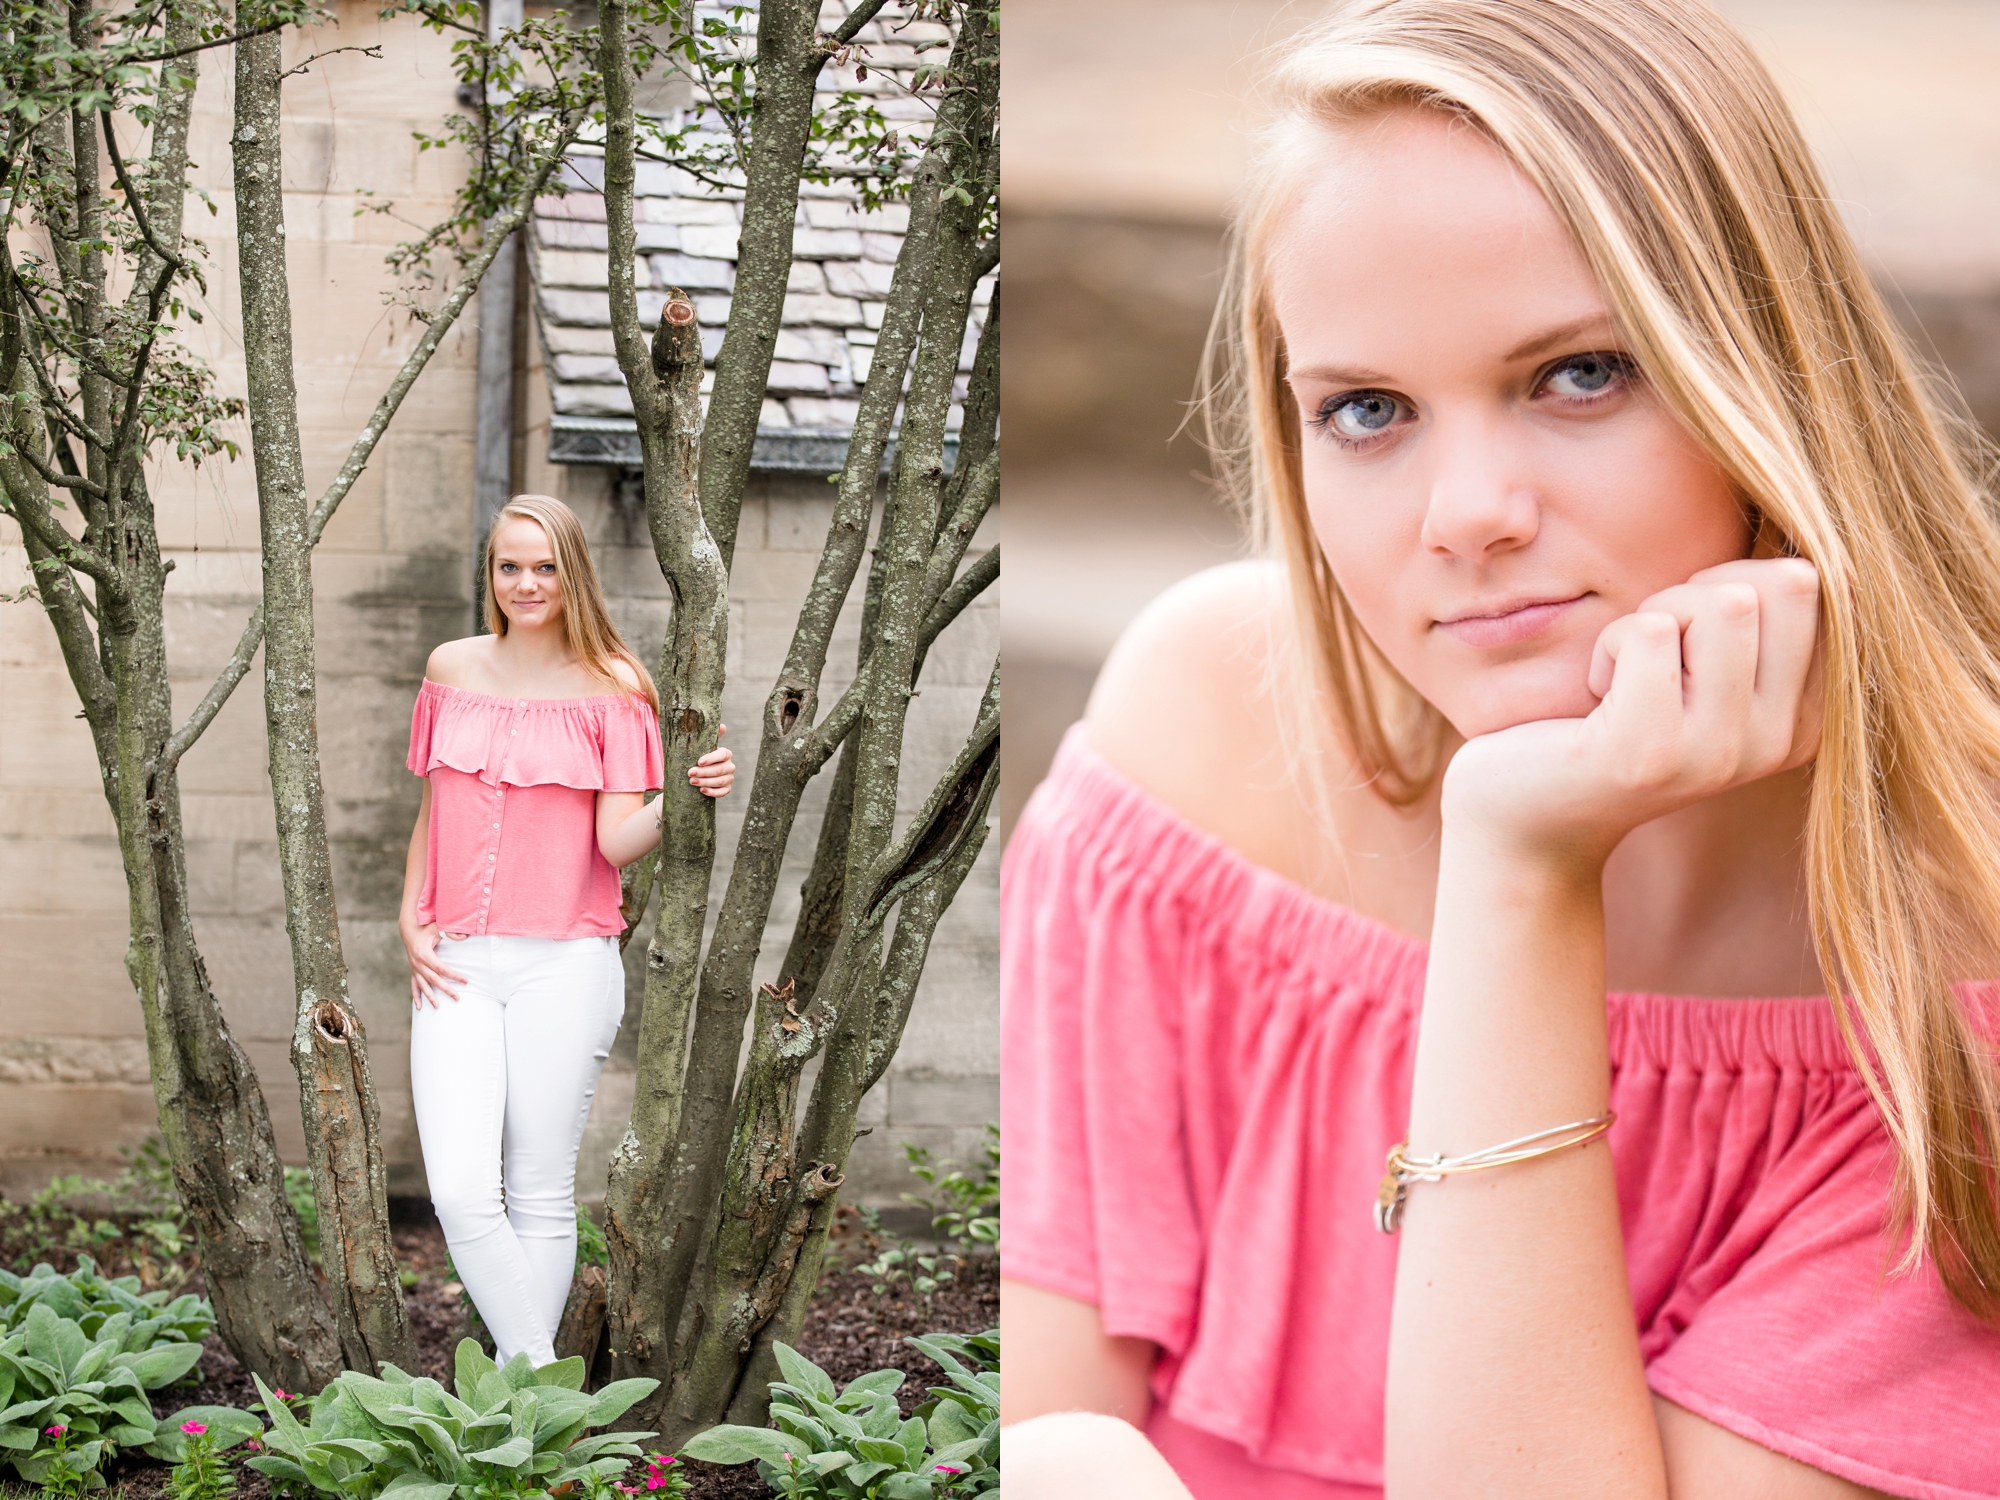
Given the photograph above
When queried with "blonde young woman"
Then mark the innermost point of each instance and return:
(537, 742)
(1631, 633)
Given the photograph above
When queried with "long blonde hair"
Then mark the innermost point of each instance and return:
(587, 628)
(1663, 145)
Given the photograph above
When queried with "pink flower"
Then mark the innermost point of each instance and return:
(253, 1444)
(285, 1396)
(948, 1469)
(194, 1427)
(626, 1489)
(56, 1431)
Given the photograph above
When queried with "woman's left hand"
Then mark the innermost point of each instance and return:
(1706, 686)
(715, 772)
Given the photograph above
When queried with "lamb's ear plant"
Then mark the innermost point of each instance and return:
(88, 1298)
(853, 1443)
(54, 1375)
(501, 1432)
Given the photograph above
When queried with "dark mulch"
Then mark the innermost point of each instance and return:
(852, 1328)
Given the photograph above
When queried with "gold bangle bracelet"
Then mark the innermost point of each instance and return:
(1402, 1169)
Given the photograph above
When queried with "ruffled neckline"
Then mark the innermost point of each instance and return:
(431, 685)
(1391, 959)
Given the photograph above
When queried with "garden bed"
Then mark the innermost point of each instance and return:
(854, 1326)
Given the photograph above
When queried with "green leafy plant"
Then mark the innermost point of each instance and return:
(136, 1216)
(505, 1432)
(853, 1443)
(964, 1204)
(90, 1299)
(591, 1247)
(904, 1263)
(70, 1465)
(963, 1418)
(299, 1189)
(68, 1398)
(205, 1433)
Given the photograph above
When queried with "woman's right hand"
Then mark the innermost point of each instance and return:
(427, 974)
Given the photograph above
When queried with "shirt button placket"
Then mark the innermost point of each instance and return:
(499, 806)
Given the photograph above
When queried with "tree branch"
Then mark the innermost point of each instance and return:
(363, 447)
(218, 693)
(132, 199)
(857, 18)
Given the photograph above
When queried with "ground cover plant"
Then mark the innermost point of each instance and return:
(500, 1432)
(209, 1422)
(853, 1442)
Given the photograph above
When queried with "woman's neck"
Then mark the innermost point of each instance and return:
(532, 657)
(1712, 899)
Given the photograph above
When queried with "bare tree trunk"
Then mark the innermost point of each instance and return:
(211, 1109)
(665, 383)
(715, 1219)
(329, 1048)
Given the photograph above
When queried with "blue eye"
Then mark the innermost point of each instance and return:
(1588, 375)
(1359, 414)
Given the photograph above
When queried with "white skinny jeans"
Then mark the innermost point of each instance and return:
(512, 1064)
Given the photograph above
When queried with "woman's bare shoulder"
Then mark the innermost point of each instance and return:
(456, 663)
(1189, 707)
(1182, 694)
(1185, 705)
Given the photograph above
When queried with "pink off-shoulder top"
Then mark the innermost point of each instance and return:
(514, 784)
(1204, 1065)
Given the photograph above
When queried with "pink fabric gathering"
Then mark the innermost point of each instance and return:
(514, 784)
(1205, 1064)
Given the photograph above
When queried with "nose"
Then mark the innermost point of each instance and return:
(1481, 502)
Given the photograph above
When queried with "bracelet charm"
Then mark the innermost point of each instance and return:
(1402, 1169)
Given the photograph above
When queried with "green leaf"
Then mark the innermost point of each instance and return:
(739, 1445)
(286, 1435)
(227, 1426)
(55, 1341)
(958, 1452)
(859, 1474)
(803, 1373)
(471, 1364)
(881, 1450)
(160, 1365)
(794, 1421)
(508, 1455)
(416, 1487)
(874, 1383)
(612, 1402)
(489, 1390)
(277, 1467)
(450, 1461)
(951, 1423)
(519, 1373)
(626, 1443)
(564, 1373)
(557, 1407)
(907, 1487)
(914, 1439)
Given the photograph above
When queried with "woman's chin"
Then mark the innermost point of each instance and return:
(1490, 715)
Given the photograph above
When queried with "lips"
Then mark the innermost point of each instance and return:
(1508, 623)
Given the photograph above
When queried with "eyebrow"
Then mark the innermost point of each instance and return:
(1540, 343)
(503, 558)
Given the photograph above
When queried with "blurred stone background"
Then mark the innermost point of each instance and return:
(1126, 130)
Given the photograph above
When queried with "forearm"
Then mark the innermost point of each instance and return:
(1061, 1359)
(417, 862)
(622, 837)
(1513, 1355)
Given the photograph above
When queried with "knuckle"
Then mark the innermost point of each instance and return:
(1738, 601)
